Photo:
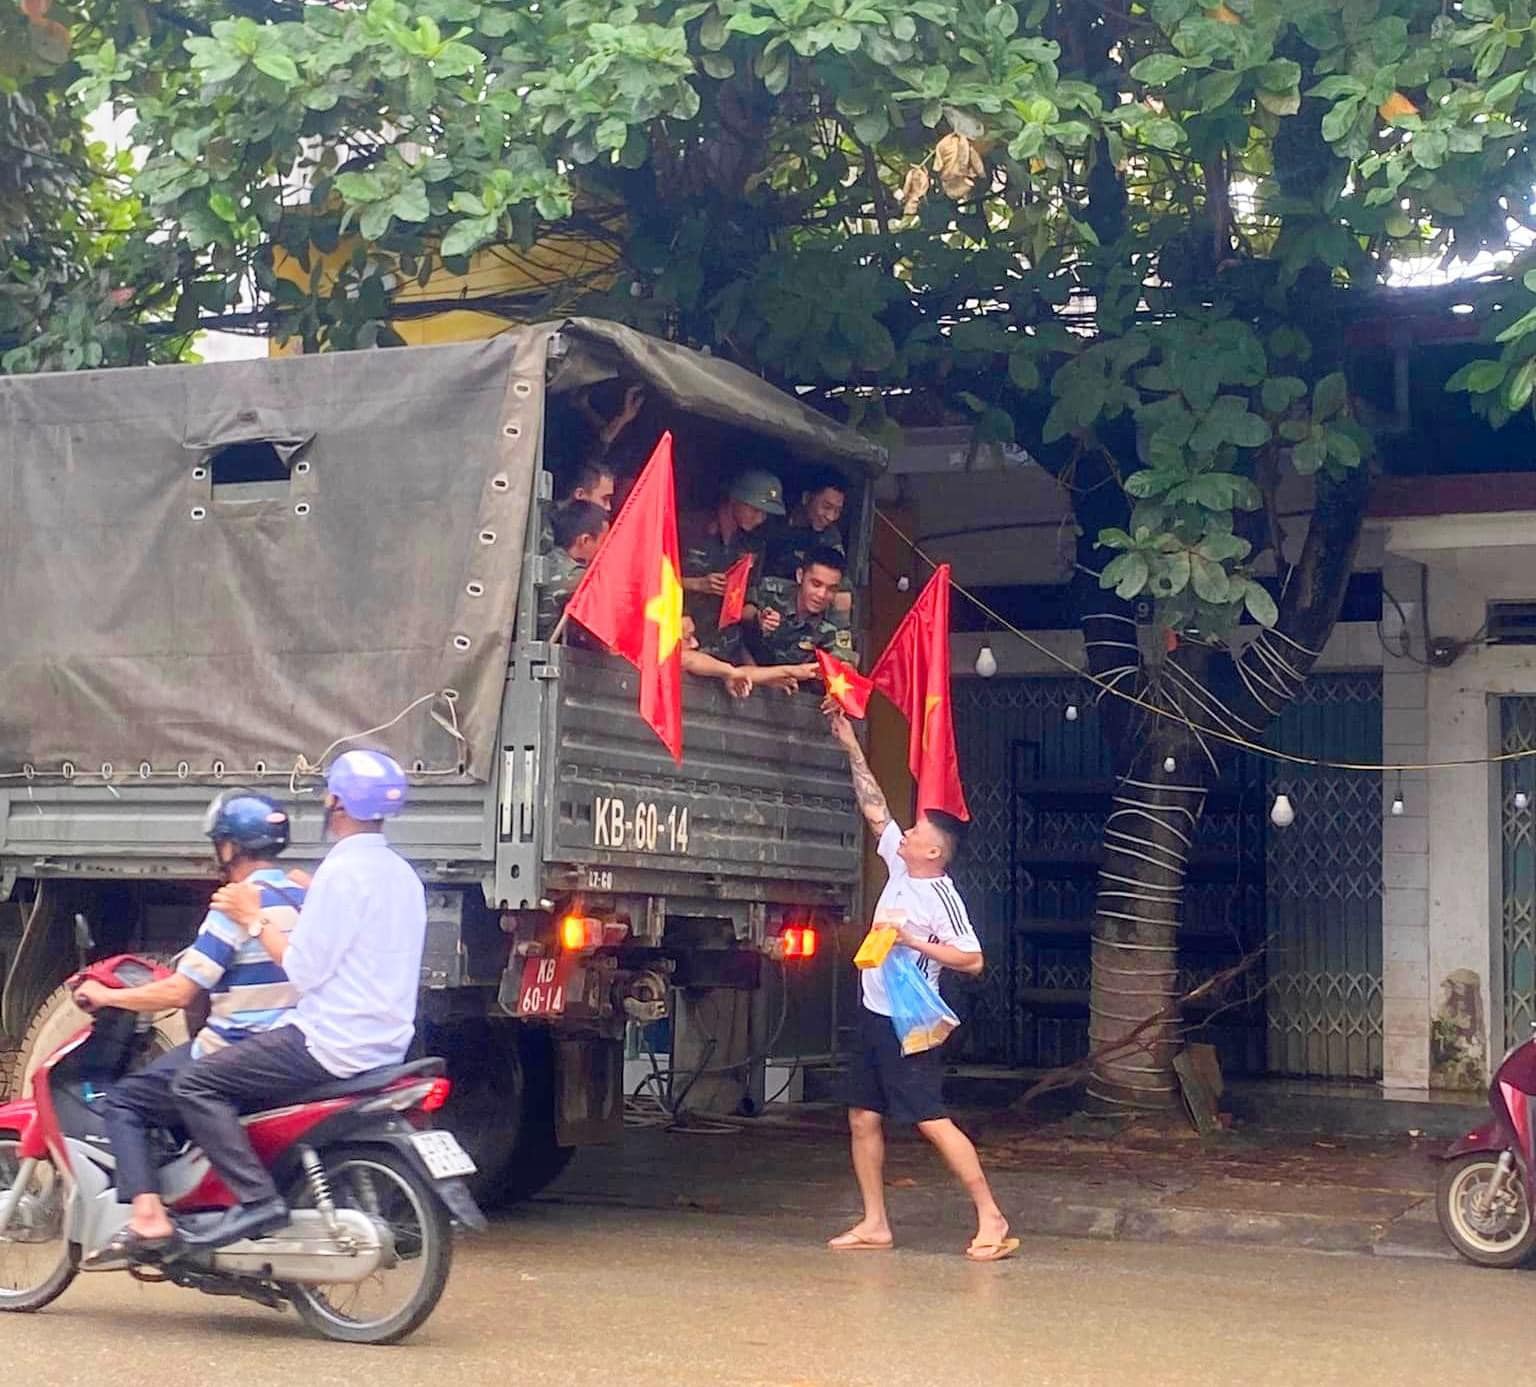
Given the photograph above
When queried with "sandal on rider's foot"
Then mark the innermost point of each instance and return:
(128, 1245)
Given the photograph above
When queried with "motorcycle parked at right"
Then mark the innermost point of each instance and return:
(1487, 1188)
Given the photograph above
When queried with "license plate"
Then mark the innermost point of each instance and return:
(444, 1158)
(543, 989)
(639, 825)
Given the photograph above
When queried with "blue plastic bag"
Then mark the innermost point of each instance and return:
(922, 1019)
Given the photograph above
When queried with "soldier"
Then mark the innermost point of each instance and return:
(811, 525)
(797, 619)
(578, 528)
(588, 481)
(711, 541)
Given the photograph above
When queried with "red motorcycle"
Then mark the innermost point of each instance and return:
(1487, 1188)
(365, 1255)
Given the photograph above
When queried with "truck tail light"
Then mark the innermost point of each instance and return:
(797, 941)
(580, 932)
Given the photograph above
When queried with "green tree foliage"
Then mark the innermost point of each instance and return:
(1122, 225)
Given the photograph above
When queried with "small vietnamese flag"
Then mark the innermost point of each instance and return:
(734, 601)
(631, 600)
(844, 683)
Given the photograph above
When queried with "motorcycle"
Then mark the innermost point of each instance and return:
(372, 1188)
(1487, 1187)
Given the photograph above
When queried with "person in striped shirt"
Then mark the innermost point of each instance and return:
(246, 992)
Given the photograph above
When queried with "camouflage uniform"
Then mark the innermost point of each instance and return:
(797, 638)
(702, 552)
(788, 543)
(564, 574)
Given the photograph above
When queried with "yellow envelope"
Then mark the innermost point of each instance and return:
(877, 944)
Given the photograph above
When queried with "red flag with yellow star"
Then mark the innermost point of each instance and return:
(844, 683)
(737, 579)
(914, 674)
(631, 600)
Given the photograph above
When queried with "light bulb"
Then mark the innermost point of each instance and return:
(1282, 815)
(986, 662)
(1071, 712)
(903, 583)
(1170, 765)
(1521, 799)
(1398, 807)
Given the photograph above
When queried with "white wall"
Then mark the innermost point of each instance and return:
(1459, 721)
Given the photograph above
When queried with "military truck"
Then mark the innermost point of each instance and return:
(220, 575)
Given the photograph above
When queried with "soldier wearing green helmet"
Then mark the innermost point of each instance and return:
(712, 540)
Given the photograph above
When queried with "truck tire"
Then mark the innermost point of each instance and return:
(55, 1020)
(502, 1107)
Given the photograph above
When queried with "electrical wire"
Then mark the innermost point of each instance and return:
(1108, 684)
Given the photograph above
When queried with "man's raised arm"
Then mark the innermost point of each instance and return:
(866, 789)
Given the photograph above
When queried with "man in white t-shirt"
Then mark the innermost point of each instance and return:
(922, 904)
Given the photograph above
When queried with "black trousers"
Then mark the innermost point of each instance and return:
(265, 1071)
(130, 1109)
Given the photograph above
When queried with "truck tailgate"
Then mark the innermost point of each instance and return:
(761, 799)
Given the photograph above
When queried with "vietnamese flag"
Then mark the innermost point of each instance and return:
(734, 601)
(914, 674)
(844, 683)
(631, 600)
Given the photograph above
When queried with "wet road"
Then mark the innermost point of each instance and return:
(572, 1293)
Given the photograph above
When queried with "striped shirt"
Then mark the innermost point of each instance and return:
(249, 993)
(927, 906)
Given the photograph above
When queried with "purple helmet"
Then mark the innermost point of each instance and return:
(369, 784)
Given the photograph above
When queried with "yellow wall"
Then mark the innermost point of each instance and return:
(561, 267)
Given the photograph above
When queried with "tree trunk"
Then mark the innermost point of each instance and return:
(1164, 762)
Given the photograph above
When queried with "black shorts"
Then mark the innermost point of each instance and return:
(905, 1088)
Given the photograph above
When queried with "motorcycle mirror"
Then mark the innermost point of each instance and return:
(83, 940)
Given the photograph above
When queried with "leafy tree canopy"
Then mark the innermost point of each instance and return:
(1128, 226)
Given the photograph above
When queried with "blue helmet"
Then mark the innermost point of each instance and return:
(253, 823)
(369, 784)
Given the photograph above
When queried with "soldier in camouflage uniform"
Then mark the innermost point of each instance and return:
(811, 525)
(796, 619)
(711, 541)
(578, 528)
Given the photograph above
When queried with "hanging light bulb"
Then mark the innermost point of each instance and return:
(1282, 815)
(1170, 765)
(1521, 799)
(986, 661)
(1398, 807)
(1071, 712)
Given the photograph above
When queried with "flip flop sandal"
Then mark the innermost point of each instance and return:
(851, 1242)
(128, 1246)
(992, 1252)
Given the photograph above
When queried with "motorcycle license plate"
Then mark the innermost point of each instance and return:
(444, 1158)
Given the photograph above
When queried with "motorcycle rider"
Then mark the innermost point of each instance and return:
(354, 958)
(247, 994)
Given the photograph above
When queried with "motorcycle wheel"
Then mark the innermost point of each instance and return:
(397, 1299)
(37, 1260)
(1501, 1236)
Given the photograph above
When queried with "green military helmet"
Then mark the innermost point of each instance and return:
(761, 489)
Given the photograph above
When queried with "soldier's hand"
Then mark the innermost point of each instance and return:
(830, 707)
(806, 671)
(739, 685)
(768, 621)
(717, 584)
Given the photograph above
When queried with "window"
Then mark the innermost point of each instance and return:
(248, 471)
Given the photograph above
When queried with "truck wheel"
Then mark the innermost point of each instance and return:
(56, 1019)
(502, 1107)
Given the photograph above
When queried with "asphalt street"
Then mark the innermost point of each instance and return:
(568, 1292)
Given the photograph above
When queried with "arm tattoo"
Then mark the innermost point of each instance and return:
(866, 789)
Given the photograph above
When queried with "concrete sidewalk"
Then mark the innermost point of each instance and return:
(1068, 1178)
